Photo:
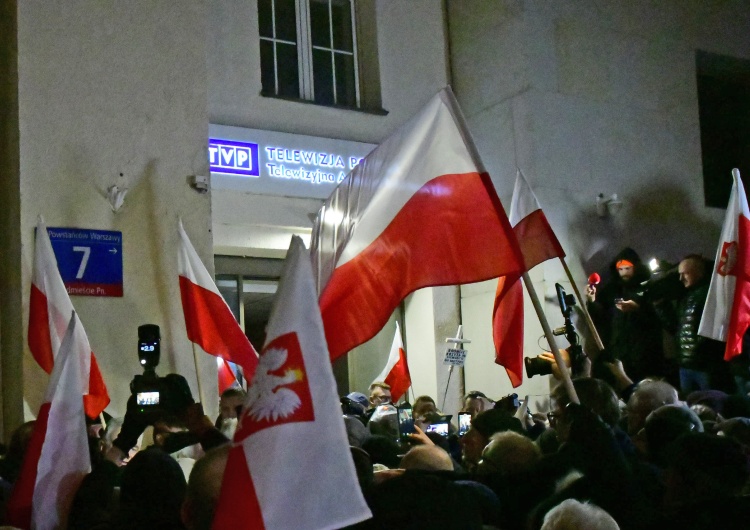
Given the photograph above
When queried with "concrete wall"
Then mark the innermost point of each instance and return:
(590, 97)
(115, 93)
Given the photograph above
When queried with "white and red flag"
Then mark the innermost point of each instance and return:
(726, 315)
(209, 321)
(49, 312)
(227, 379)
(538, 243)
(418, 211)
(290, 465)
(57, 458)
(396, 371)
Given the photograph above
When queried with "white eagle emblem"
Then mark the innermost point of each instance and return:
(265, 399)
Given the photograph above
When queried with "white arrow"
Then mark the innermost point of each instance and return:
(113, 250)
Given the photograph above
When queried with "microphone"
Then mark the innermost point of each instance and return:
(594, 279)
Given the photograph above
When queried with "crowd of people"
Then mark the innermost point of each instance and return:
(645, 443)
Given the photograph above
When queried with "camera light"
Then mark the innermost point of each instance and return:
(143, 361)
(653, 264)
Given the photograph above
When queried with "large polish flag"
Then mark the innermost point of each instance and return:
(290, 465)
(49, 311)
(538, 243)
(396, 371)
(418, 211)
(209, 321)
(57, 458)
(726, 315)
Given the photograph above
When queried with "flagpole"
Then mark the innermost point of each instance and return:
(582, 303)
(567, 381)
(197, 375)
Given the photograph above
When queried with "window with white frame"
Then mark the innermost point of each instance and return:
(308, 50)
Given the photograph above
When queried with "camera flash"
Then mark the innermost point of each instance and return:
(653, 264)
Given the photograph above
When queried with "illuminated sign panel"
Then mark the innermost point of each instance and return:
(280, 163)
(235, 158)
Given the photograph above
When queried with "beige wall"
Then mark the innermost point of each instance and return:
(592, 97)
(106, 89)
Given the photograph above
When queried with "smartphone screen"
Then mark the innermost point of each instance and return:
(405, 421)
(147, 398)
(440, 428)
(464, 422)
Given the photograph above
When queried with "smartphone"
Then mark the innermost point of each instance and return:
(619, 300)
(147, 398)
(464, 422)
(405, 421)
(440, 428)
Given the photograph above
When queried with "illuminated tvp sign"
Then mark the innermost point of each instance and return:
(235, 158)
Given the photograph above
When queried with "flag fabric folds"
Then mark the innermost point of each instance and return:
(396, 371)
(726, 315)
(538, 243)
(209, 321)
(49, 312)
(57, 458)
(418, 211)
(226, 376)
(290, 465)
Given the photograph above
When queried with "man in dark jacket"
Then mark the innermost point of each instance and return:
(626, 320)
(700, 359)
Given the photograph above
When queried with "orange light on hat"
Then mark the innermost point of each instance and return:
(624, 263)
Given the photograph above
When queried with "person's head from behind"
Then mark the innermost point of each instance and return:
(664, 426)
(380, 393)
(483, 426)
(703, 467)
(647, 397)
(427, 458)
(575, 515)
(594, 394)
(152, 490)
(204, 488)
(230, 400)
(692, 269)
(508, 453)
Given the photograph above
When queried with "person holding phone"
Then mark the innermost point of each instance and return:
(626, 319)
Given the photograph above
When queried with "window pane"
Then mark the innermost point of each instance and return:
(286, 57)
(267, 77)
(323, 77)
(321, 35)
(345, 90)
(286, 20)
(342, 25)
(265, 22)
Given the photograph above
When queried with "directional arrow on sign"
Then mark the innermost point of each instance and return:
(113, 251)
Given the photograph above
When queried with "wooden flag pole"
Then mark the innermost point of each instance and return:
(582, 303)
(567, 381)
(198, 375)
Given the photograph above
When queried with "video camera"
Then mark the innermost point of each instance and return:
(536, 365)
(154, 396)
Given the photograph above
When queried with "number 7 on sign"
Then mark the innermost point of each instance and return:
(84, 261)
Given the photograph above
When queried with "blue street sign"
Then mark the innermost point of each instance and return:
(90, 261)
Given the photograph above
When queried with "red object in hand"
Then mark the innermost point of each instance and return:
(594, 279)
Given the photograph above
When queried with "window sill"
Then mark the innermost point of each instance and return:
(374, 112)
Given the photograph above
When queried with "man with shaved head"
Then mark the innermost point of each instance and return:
(647, 397)
(427, 458)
